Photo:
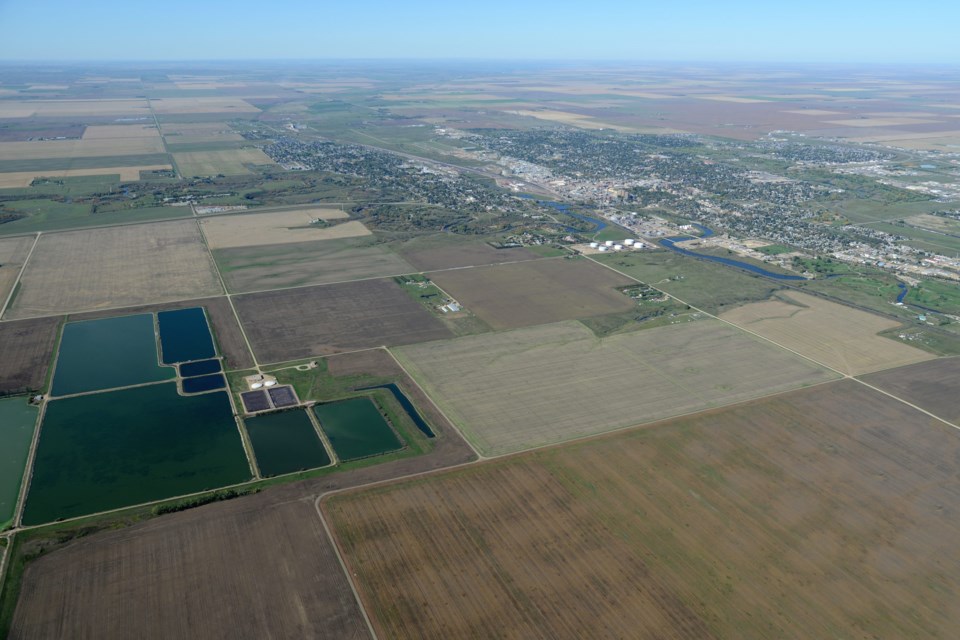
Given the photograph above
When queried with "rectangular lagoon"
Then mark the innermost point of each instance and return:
(185, 335)
(285, 442)
(108, 353)
(356, 429)
(200, 368)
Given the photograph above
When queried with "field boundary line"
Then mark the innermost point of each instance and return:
(343, 566)
(163, 141)
(223, 285)
(23, 268)
(426, 395)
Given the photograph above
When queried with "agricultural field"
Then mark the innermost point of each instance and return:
(840, 337)
(308, 321)
(109, 450)
(276, 266)
(13, 253)
(708, 286)
(23, 179)
(540, 385)
(228, 162)
(933, 386)
(252, 568)
(26, 351)
(813, 514)
(442, 252)
(115, 267)
(199, 132)
(84, 147)
(279, 227)
(536, 292)
(74, 108)
(211, 104)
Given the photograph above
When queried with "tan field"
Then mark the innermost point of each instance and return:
(935, 223)
(540, 385)
(200, 132)
(120, 131)
(813, 112)
(835, 335)
(211, 163)
(85, 147)
(574, 119)
(280, 227)
(13, 252)
(78, 108)
(880, 122)
(165, 106)
(734, 99)
(115, 267)
(127, 174)
(824, 513)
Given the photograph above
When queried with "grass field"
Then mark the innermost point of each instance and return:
(299, 323)
(281, 227)
(238, 569)
(536, 292)
(229, 162)
(211, 104)
(26, 351)
(815, 514)
(529, 387)
(113, 131)
(116, 266)
(320, 262)
(934, 386)
(199, 132)
(13, 253)
(706, 285)
(833, 334)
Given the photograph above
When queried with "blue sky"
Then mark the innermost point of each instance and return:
(846, 31)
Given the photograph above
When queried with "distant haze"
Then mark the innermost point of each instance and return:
(854, 31)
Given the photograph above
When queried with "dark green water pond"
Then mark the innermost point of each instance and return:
(285, 442)
(108, 353)
(121, 448)
(17, 421)
(184, 335)
(356, 429)
(199, 368)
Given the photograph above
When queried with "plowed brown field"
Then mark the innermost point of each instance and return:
(821, 513)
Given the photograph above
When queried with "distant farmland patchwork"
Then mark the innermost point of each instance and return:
(536, 292)
(836, 335)
(116, 266)
(528, 387)
(815, 514)
(309, 321)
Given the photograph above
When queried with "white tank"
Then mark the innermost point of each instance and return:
(628, 241)
(270, 383)
(594, 245)
(604, 248)
(256, 385)
(609, 243)
(617, 247)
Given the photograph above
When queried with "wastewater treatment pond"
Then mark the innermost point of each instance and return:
(110, 450)
(356, 429)
(285, 442)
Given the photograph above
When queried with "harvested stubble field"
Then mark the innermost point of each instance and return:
(22, 179)
(322, 262)
(73, 108)
(226, 331)
(536, 292)
(26, 351)
(13, 252)
(816, 514)
(540, 385)
(229, 162)
(833, 334)
(199, 132)
(298, 323)
(933, 386)
(279, 227)
(114, 267)
(169, 106)
(113, 131)
(240, 569)
(84, 147)
(434, 252)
